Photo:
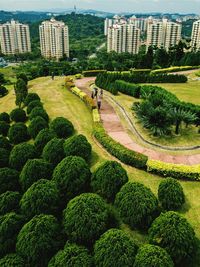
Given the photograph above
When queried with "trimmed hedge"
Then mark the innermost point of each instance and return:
(4, 127)
(18, 133)
(18, 115)
(9, 201)
(36, 125)
(177, 171)
(92, 73)
(174, 69)
(62, 127)
(96, 116)
(8, 180)
(38, 111)
(124, 154)
(83, 96)
(5, 117)
(33, 104)
(4, 157)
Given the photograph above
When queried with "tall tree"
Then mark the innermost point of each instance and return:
(21, 92)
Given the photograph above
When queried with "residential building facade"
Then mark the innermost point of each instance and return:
(195, 37)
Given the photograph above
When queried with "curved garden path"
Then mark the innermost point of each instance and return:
(112, 125)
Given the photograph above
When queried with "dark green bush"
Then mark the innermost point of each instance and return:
(53, 152)
(43, 137)
(137, 205)
(72, 256)
(62, 127)
(23, 77)
(108, 179)
(30, 98)
(38, 111)
(18, 133)
(5, 117)
(173, 232)
(72, 176)
(41, 198)
(4, 143)
(36, 125)
(115, 248)
(10, 225)
(18, 115)
(39, 240)
(12, 260)
(8, 180)
(20, 154)
(78, 146)
(86, 218)
(151, 256)
(4, 127)
(33, 104)
(4, 157)
(34, 170)
(3, 91)
(170, 194)
(9, 201)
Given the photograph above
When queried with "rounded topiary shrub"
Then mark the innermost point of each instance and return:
(43, 137)
(4, 157)
(31, 97)
(86, 218)
(170, 194)
(137, 205)
(9, 201)
(62, 127)
(10, 225)
(173, 233)
(20, 154)
(72, 256)
(8, 180)
(116, 248)
(36, 125)
(18, 115)
(151, 256)
(41, 198)
(34, 170)
(53, 152)
(108, 179)
(12, 260)
(78, 146)
(38, 111)
(5, 117)
(4, 127)
(18, 133)
(4, 143)
(39, 240)
(72, 176)
(33, 104)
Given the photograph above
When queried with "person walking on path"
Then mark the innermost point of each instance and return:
(99, 102)
(101, 93)
(95, 92)
(52, 76)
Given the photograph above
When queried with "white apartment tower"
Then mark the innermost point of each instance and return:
(14, 38)
(163, 34)
(195, 38)
(123, 38)
(54, 39)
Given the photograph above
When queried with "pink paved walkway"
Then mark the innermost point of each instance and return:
(114, 128)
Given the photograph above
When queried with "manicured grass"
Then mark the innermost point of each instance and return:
(9, 73)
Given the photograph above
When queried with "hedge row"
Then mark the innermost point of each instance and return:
(83, 96)
(96, 115)
(174, 170)
(125, 155)
(92, 73)
(174, 69)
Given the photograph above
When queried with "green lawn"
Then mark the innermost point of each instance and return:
(60, 102)
(9, 73)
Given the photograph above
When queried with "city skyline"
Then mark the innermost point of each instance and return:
(133, 6)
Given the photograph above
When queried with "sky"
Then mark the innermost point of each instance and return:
(133, 6)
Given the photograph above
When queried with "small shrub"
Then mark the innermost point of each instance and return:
(33, 104)
(3, 91)
(12, 260)
(170, 194)
(38, 111)
(20, 154)
(4, 143)
(78, 146)
(137, 205)
(72, 256)
(151, 256)
(53, 152)
(34, 170)
(8, 180)
(115, 247)
(30, 98)
(18, 133)
(4, 157)
(9, 201)
(4, 127)
(108, 179)
(43, 137)
(5, 117)
(36, 125)
(62, 127)
(18, 115)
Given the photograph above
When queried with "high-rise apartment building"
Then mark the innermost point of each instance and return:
(123, 38)
(54, 39)
(14, 38)
(163, 34)
(195, 38)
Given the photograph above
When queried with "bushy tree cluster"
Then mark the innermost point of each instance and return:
(3, 91)
(4, 143)
(36, 125)
(34, 104)
(18, 115)
(8, 180)
(18, 133)
(9, 201)
(31, 97)
(4, 157)
(62, 127)
(4, 127)
(43, 137)
(12, 260)
(5, 117)
(38, 111)
(21, 91)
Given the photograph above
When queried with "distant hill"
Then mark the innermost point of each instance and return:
(28, 16)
